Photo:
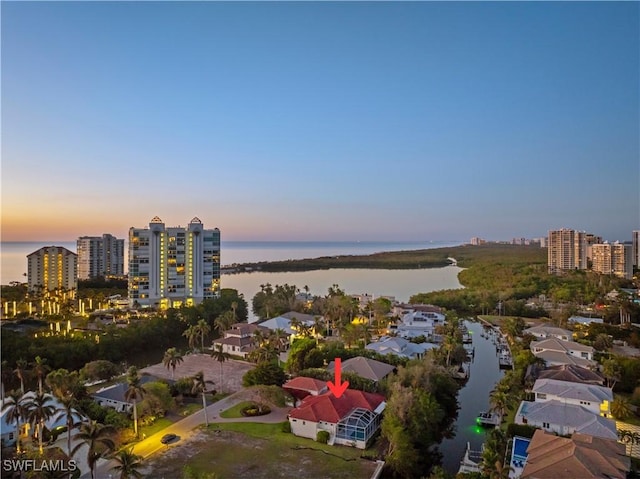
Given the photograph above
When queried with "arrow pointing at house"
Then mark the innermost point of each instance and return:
(338, 388)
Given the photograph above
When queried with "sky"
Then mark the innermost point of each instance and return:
(381, 121)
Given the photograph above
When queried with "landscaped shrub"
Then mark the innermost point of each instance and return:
(254, 409)
(286, 427)
(322, 437)
(523, 430)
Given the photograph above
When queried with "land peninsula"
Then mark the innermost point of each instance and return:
(465, 256)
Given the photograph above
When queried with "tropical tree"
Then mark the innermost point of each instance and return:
(5, 372)
(16, 412)
(134, 392)
(191, 333)
(620, 408)
(128, 464)
(203, 329)
(265, 353)
(603, 342)
(221, 356)
(499, 402)
(21, 371)
(172, 357)
(612, 371)
(97, 437)
(224, 322)
(200, 387)
(39, 409)
(40, 368)
(67, 408)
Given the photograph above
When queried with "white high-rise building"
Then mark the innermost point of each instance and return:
(613, 258)
(567, 250)
(636, 248)
(169, 267)
(100, 256)
(52, 269)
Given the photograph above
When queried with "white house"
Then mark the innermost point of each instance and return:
(545, 331)
(595, 398)
(583, 320)
(8, 429)
(352, 419)
(556, 352)
(114, 396)
(418, 323)
(400, 347)
(564, 419)
(239, 340)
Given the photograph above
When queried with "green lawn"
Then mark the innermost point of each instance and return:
(263, 451)
(234, 411)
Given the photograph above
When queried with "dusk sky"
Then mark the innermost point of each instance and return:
(321, 121)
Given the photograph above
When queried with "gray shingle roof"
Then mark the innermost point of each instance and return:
(569, 390)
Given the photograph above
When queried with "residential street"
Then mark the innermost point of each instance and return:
(185, 429)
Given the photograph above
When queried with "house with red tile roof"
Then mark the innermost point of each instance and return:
(352, 419)
(302, 386)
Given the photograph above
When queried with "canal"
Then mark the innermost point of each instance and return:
(473, 398)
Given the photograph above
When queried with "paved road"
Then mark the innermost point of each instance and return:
(185, 429)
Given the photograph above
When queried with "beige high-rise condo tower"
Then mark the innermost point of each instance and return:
(175, 266)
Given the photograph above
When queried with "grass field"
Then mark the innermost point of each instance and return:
(261, 451)
(234, 411)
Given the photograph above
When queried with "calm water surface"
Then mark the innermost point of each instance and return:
(473, 398)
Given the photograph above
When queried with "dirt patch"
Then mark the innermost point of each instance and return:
(227, 380)
(236, 455)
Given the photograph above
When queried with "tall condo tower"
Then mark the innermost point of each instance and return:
(52, 269)
(100, 256)
(169, 267)
(636, 248)
(567, 250)
(613, 258)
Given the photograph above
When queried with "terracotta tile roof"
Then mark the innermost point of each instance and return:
(306, 384)
(583, 456)
(328, 408)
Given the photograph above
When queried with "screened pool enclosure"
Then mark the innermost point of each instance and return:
(358, 426)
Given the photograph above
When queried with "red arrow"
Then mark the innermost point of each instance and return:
(338, 389)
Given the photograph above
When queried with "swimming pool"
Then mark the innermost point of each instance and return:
(519, 451)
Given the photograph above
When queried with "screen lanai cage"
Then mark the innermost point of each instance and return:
(360, 425)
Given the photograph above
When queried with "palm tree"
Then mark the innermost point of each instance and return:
(318, 327)
(68, 402)
(5, 372)
(96, 436)
(21, 372)
(128, 464)
(279, 337)
(264, 354)
(224, 322)
(39, 410)
(500, 471)
(204, 329)
(221, 356)
(40, 369)
(133, 393)
(172, 357)
(499, 402)
(200, 387)
(191, 333)
(16, 411)
(620, 408)
(611, 370)
(234, 308)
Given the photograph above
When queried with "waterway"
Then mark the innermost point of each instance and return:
(473, 398)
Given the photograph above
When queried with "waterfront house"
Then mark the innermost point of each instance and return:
(545, 331)
(582, 455)
(596, 398)
(400, 347)
(418, 323)
(365, 368)
(572, 373)
(555, 352)
(565, 418)
(352, 419)
(239, 340)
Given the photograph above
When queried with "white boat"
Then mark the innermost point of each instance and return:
(487, 418)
